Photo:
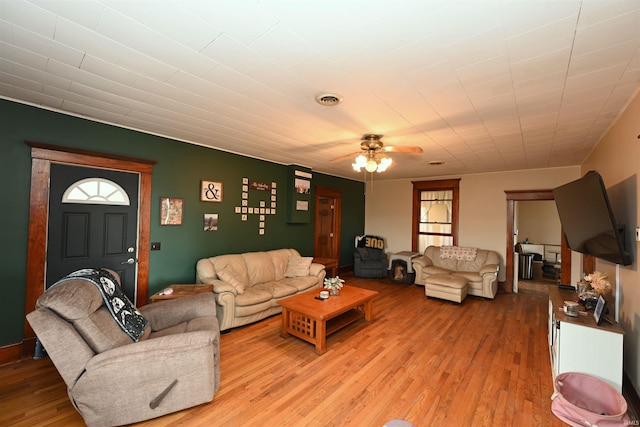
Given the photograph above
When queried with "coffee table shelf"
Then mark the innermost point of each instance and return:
(343, 320)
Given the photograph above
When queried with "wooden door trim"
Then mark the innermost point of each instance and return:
(337, 220)
(42, 155)
(565, 253)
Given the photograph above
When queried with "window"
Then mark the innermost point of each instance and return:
(435, 213)
(98, 191)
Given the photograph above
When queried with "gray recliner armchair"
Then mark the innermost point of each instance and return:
(111, 378)
(369, 259)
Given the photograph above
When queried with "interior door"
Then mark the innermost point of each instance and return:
(327, 223)
(93, 222)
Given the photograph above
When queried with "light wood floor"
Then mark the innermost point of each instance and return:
(426, 361)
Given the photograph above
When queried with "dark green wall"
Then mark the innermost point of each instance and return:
(177, 173)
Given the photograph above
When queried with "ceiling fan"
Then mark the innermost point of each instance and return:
(371, 158)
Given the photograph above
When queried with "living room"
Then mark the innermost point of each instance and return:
(381, 207)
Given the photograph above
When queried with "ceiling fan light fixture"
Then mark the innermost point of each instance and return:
(385, 162)
(371, 165)
(361, 162)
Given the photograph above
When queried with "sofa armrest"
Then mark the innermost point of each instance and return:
(221, 287)
(489, 268)
(316, 269)
(164, 314)
(422, 261)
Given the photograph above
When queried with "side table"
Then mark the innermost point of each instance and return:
(331, 265)
(180, 291)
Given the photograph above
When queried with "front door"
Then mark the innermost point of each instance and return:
(93, 222)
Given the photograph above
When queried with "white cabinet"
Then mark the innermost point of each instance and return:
(577, 344)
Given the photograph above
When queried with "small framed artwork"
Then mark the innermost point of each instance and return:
(171, 210)
(210, 222)
(599, 311)
(210, 191)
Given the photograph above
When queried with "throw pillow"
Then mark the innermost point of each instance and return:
(298, 266)
(229, 275)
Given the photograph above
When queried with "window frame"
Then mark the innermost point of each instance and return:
(435, 185)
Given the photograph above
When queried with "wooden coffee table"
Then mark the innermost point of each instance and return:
(312, 320)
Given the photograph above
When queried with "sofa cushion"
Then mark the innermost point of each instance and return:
(277, 289)
(236, 261)
(434, 269)
(476, 264)
(253, 296)
(470, 276)
(280, 259)
(229, 275)
(301, 283)
(298, 266)
(259, 267)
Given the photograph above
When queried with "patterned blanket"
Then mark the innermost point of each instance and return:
(123, 311)
(458, 253)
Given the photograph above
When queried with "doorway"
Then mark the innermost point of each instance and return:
(565, 253)
(327, 223)
(42, 157)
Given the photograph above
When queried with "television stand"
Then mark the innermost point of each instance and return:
(577, 344)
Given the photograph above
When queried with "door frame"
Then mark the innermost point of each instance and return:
(565, 252)
(337, 221)
(42, 155)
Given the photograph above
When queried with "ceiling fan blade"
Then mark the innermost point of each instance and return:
(337, 159)
(392, 149)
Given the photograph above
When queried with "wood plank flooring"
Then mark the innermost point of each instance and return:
(426, 361)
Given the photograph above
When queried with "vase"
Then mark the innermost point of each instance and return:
(335, 292)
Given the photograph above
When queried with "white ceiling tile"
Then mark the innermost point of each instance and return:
(181, 26)
(608, 33)
(595, 11)
(89, 42)
(233, 54)
(282, 46)
(46, 47)
(28, 16)
(86, 12)
(557, 35)
(131, 33)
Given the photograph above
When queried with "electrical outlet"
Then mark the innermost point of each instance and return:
(155, 246)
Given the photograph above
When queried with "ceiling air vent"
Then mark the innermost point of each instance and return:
(328, 99)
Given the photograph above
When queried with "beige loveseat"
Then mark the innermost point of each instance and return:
(478, 266)
(247, 286)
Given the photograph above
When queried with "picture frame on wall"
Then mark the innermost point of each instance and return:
(210, 191)
(171, 210)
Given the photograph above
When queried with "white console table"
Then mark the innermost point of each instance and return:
(577, 344)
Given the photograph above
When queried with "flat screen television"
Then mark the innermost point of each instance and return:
(588, 221)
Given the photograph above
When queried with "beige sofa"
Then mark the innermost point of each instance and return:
(247, 286)
(478, 266)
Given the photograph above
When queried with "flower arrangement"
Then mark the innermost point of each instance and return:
(333, 283)
(597, 282)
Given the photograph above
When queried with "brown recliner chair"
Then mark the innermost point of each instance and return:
(113, 380)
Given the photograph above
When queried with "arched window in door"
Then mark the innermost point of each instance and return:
(98, 191)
